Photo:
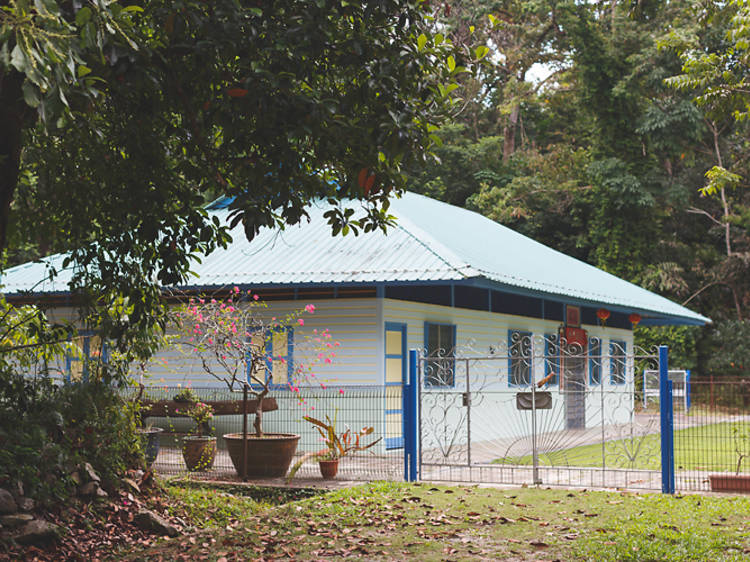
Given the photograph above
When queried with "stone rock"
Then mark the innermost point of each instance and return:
(89, 474)
(26, 504)
(15, 519)
(17, 489)
(76, 478)
(37, 531)
(7, 503)
(150, 521)
(92, 490)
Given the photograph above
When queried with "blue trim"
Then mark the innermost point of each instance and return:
(552, 360)
(667, 423)
(650, 317)
(616, 346)
(289, 358)
(687, 389)
(395, 442)
(411, 419)
(595, 361)
(69, 359)
(510, 358)
(451, 350)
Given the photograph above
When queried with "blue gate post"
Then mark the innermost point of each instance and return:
(687, 391)
(411, 419)
(667, 423)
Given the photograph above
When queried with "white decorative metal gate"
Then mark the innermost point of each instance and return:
(538, 410)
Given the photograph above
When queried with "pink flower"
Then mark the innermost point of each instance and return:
(236, 290)
(328, 359)
(255, 297)
(310, 308)
(301, 322)
(341, 391)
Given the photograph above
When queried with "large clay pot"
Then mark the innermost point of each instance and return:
(199, 452)
(150, 443)
(329, 469)
(267, 457)
(730, 483)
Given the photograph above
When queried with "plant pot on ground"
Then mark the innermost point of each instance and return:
(150, 441)
(240, 346)
(199, 450)
(268, 456)
(735, 482)
(338, 446)
(730, 483)
(328, 468)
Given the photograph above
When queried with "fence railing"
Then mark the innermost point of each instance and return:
(713, 438)
(352, 407)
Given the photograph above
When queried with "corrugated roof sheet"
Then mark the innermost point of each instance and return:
(432, 242)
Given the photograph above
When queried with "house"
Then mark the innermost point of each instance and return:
(444, 280)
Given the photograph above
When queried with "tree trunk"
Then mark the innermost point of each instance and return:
(509, 132)
(12, 115)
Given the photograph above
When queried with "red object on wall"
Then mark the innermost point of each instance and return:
(634, 319)
(602, 314)
(575, 336)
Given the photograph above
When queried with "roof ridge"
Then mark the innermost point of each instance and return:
(433, 251)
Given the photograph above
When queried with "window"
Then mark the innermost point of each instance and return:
(440, 343)
(617, 362)
(595, 361)
(519, 358)
(91, 351)
(551, 358)
(277, 346)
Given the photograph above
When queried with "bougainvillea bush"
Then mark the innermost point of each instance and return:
(239, 342)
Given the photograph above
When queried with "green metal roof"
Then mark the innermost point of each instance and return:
(433, 242)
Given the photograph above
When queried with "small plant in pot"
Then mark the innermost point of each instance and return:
(199, 450)
(735, 482)
(338, 446)
(150, 435)
(248, 349)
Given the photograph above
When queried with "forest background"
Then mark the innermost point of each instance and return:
(614, 132)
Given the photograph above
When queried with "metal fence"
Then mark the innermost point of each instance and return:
(540, 410)
(712, 437)
(488, 419)
(351, 407)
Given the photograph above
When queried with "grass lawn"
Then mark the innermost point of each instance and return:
(396, 521)
(705, 447)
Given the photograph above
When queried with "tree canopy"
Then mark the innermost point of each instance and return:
(120, 121)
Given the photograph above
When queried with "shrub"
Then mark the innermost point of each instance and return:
(47, 430)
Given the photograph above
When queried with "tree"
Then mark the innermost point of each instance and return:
(123, 121)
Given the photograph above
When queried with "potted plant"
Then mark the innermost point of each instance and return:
(199, 449)
(150, 435)
(338, 445)
(237, 343)
(735, 482)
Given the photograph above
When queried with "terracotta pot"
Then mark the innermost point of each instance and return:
(328, 469)
(199, 452)
(267, 457)
(150, 443)
(730, 483)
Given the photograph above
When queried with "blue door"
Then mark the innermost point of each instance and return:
(395, 376)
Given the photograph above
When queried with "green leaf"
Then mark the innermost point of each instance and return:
(30, 94)
(83, 71)
(451, 63)
(18, 59)
(256, 12)
(83, 16)
(481, 51)
(493, 19)
(421, 41)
